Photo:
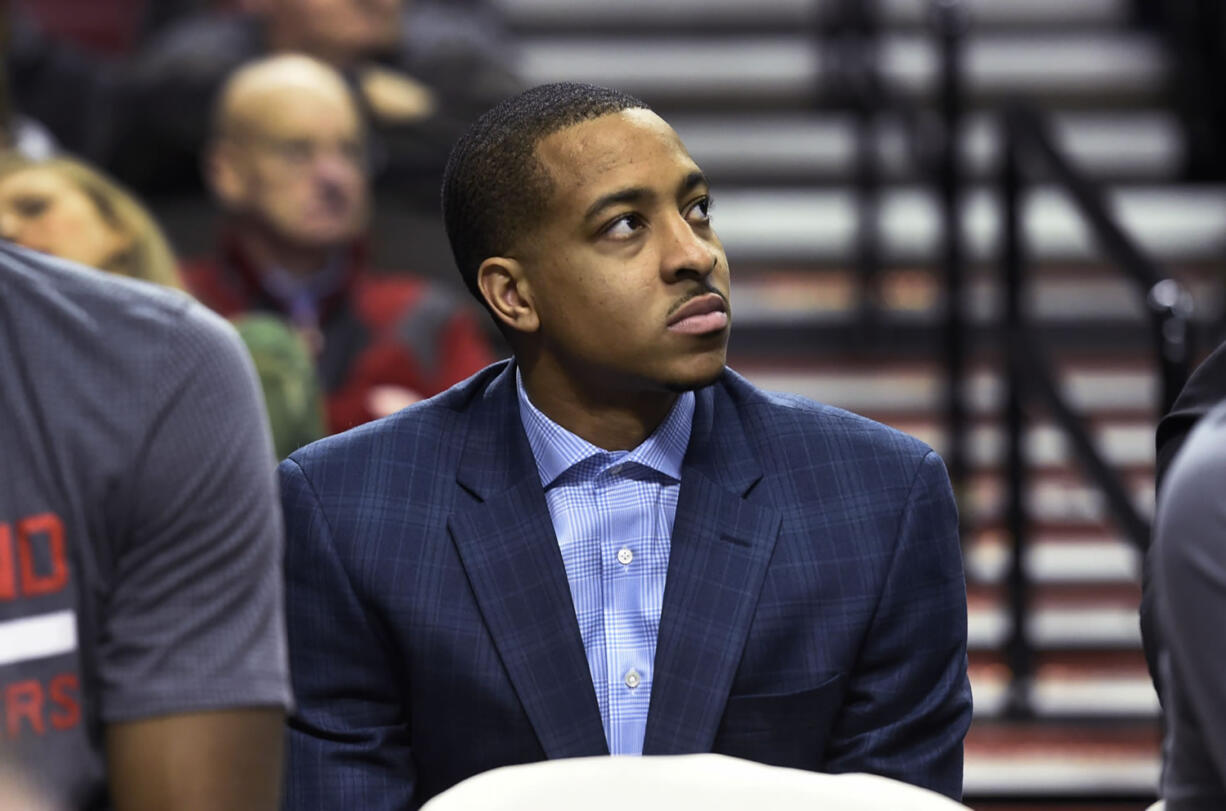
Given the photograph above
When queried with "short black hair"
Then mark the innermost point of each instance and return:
(494, 188)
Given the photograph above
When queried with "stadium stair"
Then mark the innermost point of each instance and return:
(739, 80)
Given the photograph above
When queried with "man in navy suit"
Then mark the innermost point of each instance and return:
(612, 543)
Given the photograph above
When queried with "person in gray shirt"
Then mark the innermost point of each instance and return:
(142, 649)
(1188, 562)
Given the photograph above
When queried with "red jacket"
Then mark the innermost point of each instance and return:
(377, 330)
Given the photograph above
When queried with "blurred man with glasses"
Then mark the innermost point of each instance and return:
(288, 165)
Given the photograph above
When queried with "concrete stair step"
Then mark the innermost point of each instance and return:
(1120, 759)
(1076, 617)
(1069, 685)
(1126, 696)
(893, 391)
(529, 15)
(821, 297)
(1055, 558)
(1096, 14)
(988, 628)
(1144, 145)
(815, 225)
(1057, 497)
(1127, 445)
(1089, 68)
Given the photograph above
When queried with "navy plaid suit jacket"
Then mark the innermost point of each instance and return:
(814, 614)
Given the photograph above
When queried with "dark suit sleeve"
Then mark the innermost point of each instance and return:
(348, 740)
(908, 703)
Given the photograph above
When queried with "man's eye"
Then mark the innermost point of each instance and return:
(624, 226)
(700, 211)
(354, 152)
(31, 207)
(296, 151)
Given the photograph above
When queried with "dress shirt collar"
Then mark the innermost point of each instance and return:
(557, 450)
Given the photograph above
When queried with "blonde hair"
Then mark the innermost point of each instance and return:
(148, 256)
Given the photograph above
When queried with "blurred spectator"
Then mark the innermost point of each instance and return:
(287, 377)
(65, 208)
(288, 166)
(421, 72)
(109, 27)
(142, 649)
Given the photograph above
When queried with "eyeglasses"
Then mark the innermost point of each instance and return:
(302, 152)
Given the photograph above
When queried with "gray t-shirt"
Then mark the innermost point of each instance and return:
(1188, 565)
(140, 533)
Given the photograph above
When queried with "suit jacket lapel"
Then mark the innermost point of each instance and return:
(721, 545)
(508, 548)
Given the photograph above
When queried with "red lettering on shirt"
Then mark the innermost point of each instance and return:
(48, 526)
(8, 572)
(24, 699)
(62, 690)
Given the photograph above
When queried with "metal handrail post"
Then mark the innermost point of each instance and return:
(1019, 653)
(951, 22)
(1168, 301)
(1170, 304)
(867, 94)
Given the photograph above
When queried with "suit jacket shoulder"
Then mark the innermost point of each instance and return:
(791, 432)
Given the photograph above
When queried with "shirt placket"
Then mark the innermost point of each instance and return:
(629, 659)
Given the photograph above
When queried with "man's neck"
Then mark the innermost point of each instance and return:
(608, 417)
(265, 251)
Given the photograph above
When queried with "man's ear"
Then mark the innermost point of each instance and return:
(506, 290)
(223, 176)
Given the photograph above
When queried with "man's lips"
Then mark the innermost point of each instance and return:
(700, 315)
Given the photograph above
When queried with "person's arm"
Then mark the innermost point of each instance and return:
(228, 759)
(908, 700)
(1189, 590)
(191, 662)
(1204, 389)
(349, 744)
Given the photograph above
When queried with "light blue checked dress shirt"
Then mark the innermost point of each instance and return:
(613, 514)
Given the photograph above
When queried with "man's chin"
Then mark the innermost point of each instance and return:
(697, 381)
(323, 236)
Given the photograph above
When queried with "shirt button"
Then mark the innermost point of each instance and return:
(633, 679)
(617, 469)
(624, 556)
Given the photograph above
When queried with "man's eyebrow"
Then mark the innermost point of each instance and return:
(637, 194)
(633, 194)
(693, 180)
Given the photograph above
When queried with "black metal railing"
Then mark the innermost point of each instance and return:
(851, 50)
(1029, 149)
(1192, 32)
(950, 20)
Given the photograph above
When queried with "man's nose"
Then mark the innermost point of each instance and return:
(334, 166)
(686, 253)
